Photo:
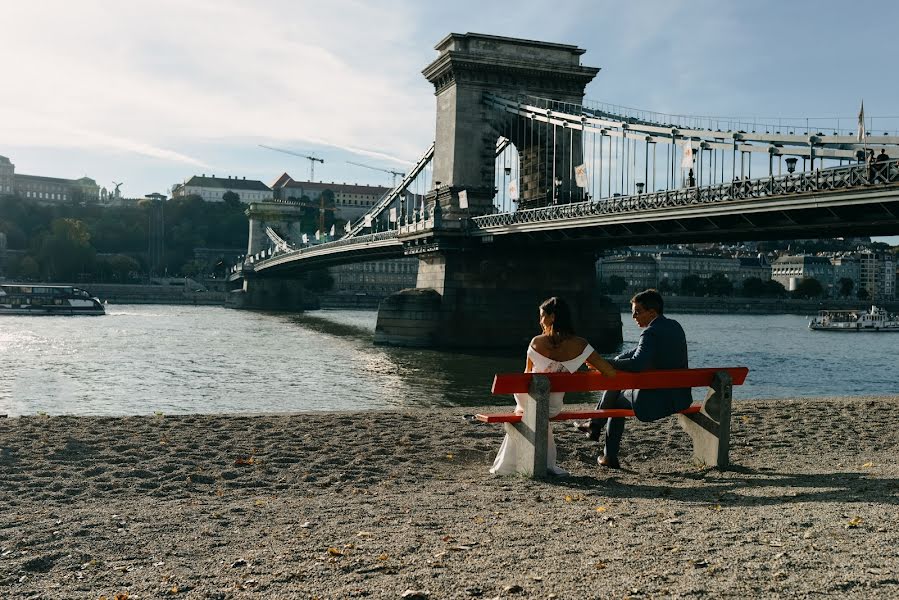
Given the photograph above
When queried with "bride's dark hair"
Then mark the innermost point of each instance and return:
(563, 324)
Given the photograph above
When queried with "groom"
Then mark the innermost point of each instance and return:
(662, 345)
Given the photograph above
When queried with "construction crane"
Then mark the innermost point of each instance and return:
(394, 173)
(312, 160)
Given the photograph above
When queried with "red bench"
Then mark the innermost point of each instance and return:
(708, 423)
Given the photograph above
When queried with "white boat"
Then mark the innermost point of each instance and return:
(26, 299)
(876, 319)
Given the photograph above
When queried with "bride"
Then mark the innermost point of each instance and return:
(556, 350)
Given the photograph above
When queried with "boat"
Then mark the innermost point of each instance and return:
(26, 299)
(876, 319)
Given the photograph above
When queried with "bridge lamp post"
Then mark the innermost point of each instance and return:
(557, 183)
(639, 185)
(791, 164)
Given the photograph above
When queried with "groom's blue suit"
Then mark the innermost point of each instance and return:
(662, 345)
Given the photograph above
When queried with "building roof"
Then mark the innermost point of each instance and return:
(227, 183)
(5, 160)
(41, 178)
(345, 188)
(805, 260)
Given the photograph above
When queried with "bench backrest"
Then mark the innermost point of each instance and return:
(591, 381)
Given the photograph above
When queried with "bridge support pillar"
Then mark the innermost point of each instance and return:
(272, 294)
(469, 300)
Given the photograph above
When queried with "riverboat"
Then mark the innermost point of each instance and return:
(22, 299)
(876, 319)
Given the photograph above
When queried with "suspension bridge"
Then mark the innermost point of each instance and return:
(526, 181)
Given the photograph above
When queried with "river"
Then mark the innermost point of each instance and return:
(141, 359)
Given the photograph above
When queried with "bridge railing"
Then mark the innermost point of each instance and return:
(829, 180)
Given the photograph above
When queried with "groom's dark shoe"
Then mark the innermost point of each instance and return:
(587, 428)
(608, 462)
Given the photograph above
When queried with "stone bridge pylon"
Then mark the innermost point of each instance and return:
(477, 293)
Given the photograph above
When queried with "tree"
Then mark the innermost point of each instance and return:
(693, 285)
(665, 286)
(232, 199)
(809, 287)
(846, 286)
(773, 289)
(862, 294)
(616, 284)
(753, 287)
(117, 267)
(719, 285)
(66, 252)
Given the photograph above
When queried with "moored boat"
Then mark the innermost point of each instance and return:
(27, 299)
(876, 319)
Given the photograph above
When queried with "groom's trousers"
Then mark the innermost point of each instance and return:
(614, 427)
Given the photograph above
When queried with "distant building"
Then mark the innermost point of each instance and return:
(211, 189)
(376, 278)
(674, 266)
(845, 267)
(639, 271)
(7, 176)
(790, 270)
(45, 190)
(351, 200)
(877, 275)
(752, 267)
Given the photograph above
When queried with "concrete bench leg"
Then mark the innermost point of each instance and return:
(710, 428)
(533, 428)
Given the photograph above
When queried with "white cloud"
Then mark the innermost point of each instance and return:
(144, 77)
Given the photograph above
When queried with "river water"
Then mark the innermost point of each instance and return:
(142, 359)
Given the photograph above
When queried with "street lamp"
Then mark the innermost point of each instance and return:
(557, 183)
(791, 164)
(639, 187)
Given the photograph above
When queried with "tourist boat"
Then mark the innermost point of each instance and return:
(21, 299)
(876, 319)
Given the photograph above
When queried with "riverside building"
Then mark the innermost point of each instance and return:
(212, 189)
(45, 190)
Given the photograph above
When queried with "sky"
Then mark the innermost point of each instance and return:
(148, 93)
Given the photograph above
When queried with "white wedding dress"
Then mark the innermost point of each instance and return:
(508, 459)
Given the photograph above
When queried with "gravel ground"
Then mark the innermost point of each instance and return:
(387, 504)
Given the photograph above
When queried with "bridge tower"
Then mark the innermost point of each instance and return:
(282, 217)
(271, 293)
(468, 67)
(475, 294)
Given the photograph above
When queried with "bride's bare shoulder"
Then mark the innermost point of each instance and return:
(540, 342)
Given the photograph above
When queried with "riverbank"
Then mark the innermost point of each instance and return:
(757, 306)
(344, 505)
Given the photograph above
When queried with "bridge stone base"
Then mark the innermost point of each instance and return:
(273, 294)
(465, 300)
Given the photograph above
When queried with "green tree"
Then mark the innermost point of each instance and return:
(774, 289)
(665, 286)
(232, 199)
(616, 284)
(117, 267)
(693, 285)
(66, 252)
(846, 286)
(753, 287)
(719, 285)
(809, 287)
(862, 294)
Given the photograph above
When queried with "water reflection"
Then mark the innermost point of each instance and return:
(143, 359)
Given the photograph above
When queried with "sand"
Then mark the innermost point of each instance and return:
(400, 504)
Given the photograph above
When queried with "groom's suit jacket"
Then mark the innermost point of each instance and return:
(662, 345)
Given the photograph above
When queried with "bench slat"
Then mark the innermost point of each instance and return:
(567, 415)
(591, 381)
